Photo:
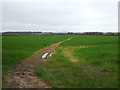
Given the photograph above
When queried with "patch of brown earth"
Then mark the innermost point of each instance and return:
(22, 75)
(68, 54)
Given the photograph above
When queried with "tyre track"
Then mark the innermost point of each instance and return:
(22, 75)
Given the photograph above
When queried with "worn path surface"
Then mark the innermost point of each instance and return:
(22, 75)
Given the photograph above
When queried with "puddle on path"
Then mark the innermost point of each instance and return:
(46, 54)
(51, 54)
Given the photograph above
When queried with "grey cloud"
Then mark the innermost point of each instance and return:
(62, 16)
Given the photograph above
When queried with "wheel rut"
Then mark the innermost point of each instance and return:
(22, 75)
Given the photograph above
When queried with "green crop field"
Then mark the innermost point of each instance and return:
(83, 62)
(15, 48)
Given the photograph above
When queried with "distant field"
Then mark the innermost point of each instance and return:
(83, 62)
(15, 48)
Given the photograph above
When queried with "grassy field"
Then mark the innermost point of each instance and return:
(15, 48)
(83, 62)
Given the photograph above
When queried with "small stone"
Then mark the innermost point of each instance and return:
(32, 66)
(94, 84)
(27, 70)
(104, 70)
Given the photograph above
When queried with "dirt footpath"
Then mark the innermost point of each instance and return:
(22, 75)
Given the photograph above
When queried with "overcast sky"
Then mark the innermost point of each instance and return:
(61, 16)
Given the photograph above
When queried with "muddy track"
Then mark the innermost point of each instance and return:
(22, 75)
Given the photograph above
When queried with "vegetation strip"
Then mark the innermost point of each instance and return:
(22, 75)
(83, 62)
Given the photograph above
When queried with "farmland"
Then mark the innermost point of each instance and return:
(84, 61)
(15, 48)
